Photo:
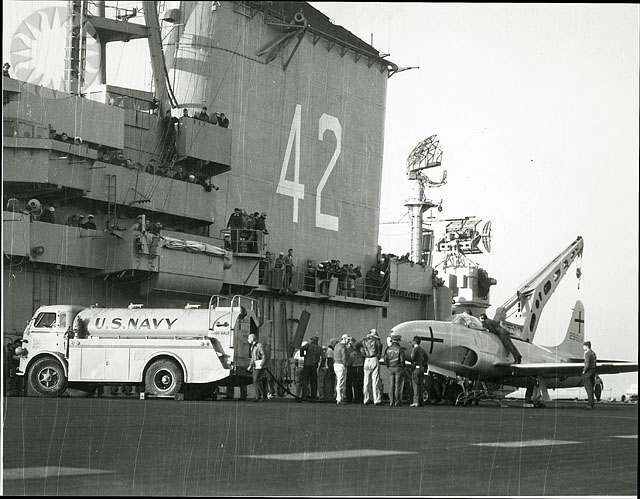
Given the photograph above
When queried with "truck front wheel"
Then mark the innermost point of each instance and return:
(163, 378)
(46, 378)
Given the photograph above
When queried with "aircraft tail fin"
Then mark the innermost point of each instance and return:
(572, 343)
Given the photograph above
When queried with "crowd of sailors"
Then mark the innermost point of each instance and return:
(283, 274)
(347, 371)
(244, 231)
(168, 170)
(167, 164)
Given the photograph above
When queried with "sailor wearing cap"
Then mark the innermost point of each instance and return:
(48, 215)
(419, 362)
(323, 378)
(261, 222)
(89, 224)
(330, 386)
(355, 371)
(589, 372)
(312, 352)
(340, 358)
(235, 224)
(138, 224)
(278, 265)
(394, 359)
(257, 364)
(372, 350)
(298, 362)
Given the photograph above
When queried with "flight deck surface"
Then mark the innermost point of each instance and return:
(117, 446)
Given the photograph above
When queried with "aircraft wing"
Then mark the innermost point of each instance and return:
(559, 369)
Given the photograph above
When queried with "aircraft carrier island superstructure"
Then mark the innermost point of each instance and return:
(305, 103)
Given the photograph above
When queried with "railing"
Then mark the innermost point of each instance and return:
(245, 240)
(324, 283)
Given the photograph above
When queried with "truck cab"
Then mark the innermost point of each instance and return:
(47, 333)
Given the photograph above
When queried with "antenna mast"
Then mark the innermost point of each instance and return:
(427, 154)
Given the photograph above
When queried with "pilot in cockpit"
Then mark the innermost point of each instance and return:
(466, 319)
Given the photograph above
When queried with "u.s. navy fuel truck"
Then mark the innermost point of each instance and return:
(162, 348)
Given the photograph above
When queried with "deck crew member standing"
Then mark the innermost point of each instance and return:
(235, 224)
(257, 364)
(322, 375)
(589, 371)
(288, 268)
(349, 378)
(311, 353)
(340, 358)
(419, 360)
(394, 359)
(372, 350)
(330, 387)
(356, 366)
(298, 361)
(503, 334)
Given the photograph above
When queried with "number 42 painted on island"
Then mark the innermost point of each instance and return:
(293, 187)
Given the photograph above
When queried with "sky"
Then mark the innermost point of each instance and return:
(536, 110)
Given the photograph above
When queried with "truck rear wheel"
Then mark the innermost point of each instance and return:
(46, 378)
(163, 378)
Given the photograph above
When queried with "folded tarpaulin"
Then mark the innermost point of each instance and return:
(194, 247)
(213, 250)
(173, 243)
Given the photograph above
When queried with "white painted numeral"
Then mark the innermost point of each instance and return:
(287, 187)
(294, 188)
(328, 122)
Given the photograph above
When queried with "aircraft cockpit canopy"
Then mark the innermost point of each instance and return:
(465, 319)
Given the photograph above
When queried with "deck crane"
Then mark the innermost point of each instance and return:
(529, 301)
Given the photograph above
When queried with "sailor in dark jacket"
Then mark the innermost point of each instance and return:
(505, 337)
(394, 359)
(419, 359)
(312, 352)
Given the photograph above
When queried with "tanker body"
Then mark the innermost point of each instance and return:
(141, 322)
(164, 349)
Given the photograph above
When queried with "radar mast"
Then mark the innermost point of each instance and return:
(427, 154)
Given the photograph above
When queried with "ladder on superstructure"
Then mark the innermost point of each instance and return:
(112, 216)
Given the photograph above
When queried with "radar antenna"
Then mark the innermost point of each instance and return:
(486, 236)
(462, 238)
(427, 154)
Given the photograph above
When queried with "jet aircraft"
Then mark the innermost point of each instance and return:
(461, 347)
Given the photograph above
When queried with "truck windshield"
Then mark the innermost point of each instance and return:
(45, 319)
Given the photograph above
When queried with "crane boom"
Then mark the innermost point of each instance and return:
(531, 298)
(157, 58)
